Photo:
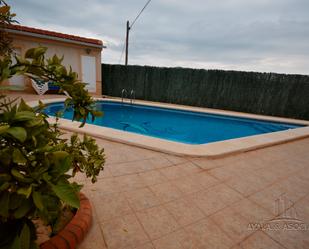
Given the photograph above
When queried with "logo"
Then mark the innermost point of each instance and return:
(286, 218)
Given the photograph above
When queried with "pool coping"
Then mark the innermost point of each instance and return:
(210, 150)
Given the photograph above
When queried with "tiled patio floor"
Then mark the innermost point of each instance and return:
(145, 199)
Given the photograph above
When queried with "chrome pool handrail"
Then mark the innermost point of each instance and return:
(124, 94)
(132, 96)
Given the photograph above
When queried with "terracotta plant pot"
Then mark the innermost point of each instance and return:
(75, 231)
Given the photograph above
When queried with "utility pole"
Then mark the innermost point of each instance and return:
(128, 31)
(127, 42)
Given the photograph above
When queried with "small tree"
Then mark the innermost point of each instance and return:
(36, 163)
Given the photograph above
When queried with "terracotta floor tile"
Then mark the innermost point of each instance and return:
(248, 184)
(205, 179)
(173, 172)
(166, 191)
(148, 245)
(259, 240)
(180, 170)
(105, 173)
(105, 186)
(184, 211)
(159, 162)
(206, 234)
(241, 168)
(175, 240)
(222, 173)
(125, 232)
(304, 174)
(189, 168)
(251, 211)
(269, 176)
(290, 166)
(94, 238)
(187, 185)
(117, 170)
(232, 223)
(228, 160)
(215, 198)
(275, 169)
(252, 162)
(80, 177)
(268, 197)
(109, 206)
(302, 209)
(142, 198)
(296, 186)
(121, 155)
(175, 159)
(236, 247)
(126, 168)
(291, 239)
(130, 182)
(153, 177)
(204, 163)
(157, 222)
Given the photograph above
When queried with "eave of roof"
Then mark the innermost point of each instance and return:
(54, 35)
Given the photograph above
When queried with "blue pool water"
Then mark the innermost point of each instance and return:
(175, 125)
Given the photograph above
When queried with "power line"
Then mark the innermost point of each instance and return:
(123, 47)
(128, 32)
(140, 13)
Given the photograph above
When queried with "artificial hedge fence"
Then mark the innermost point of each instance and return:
(262, 93)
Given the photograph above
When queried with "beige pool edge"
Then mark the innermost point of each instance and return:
(210, 150)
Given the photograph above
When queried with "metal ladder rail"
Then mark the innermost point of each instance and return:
(124, 94)
(132, 96)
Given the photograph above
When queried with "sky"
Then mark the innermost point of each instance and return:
(247, 35)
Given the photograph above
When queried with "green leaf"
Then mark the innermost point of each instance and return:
(46, 177)
(6, 73)
(26, 191)
(16, 243)
(4, 186)
(4, 181)
(17, 174)
(4, 128)
(24, 116)
(29, 53)
(63, 162)
(5, 177)
(60, 155)
(34, 122)
(25, 237)
(67, 194)
(18, 157)
(4, 207)
(15, 200)
(23, 209)
(18, 132)
(24, 107)
(37, 199)
(34, 53)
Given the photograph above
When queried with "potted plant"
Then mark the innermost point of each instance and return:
(36, 163)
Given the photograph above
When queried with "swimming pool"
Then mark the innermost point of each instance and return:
(182, 126)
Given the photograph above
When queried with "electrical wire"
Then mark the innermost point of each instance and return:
(140, 13)
(123, 47)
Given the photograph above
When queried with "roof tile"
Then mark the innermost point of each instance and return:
(55, 34)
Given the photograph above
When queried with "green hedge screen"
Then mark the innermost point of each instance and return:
(262, 93)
